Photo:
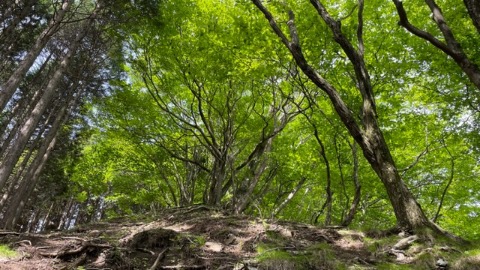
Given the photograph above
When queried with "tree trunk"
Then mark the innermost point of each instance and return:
(63, 225)
(217, 179)
(21, 108)
(8, 33)
(31, 178)
(356, 198)
(46, 219)
(10, 86)
(328, 189)
(28, 126)
(449, 182)
(408, 212)
(473, 7)
(18, 177)
(450, 46)
(32, 223)
(244, 195)
(289, 197)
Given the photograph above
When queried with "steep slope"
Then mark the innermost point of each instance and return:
(203, 238)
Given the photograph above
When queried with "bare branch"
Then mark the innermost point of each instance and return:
(361, 46)
(340, 107)
(452, 48)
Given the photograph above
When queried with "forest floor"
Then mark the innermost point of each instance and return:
(201, 238)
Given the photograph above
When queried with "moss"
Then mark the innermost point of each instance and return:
(425, 261)
(319, 256)
(392, 266)
(274, 258)
(378, 246)
(7, 252)
(322, 256)
(467, 262)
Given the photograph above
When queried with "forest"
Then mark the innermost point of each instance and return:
(353, 114)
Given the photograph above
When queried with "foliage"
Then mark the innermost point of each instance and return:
(201, 85)
(7, 253)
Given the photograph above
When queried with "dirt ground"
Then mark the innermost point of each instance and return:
(194, 238)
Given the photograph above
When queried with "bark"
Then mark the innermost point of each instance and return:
(46, 219)
(328, 190)
(356, 199)
(217, 179)
(289, 197)
(33, 175)
(473, 8)
(256, 162)
(408, 212)
(18, 177)
(243, 196)
(7, 34)
(451, 46)
(186, 185)
(11, 85)
(28, 126)
(32, 222)
(450, 180)
(63, 225)
(21, 109)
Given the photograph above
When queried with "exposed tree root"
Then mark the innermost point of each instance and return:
(68, 252)
(443, 233)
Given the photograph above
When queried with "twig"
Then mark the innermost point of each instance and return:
(180, 266)
(73, 238)
(160, 256)
(146, 250)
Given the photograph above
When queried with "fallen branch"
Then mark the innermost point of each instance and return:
(74, 238)
(9, 233)
(160, 257)
(146, 251)
(180, 266)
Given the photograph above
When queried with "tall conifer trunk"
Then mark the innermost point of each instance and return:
(14, 150)
(10, 86)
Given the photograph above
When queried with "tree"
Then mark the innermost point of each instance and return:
(71, 70)
(14, 151)
(367, 133)
(8, 88)
(450, 46)
(211, 109)
(206, 99)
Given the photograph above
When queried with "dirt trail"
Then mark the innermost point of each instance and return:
(193, 238)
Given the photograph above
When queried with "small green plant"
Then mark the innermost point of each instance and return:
(199, 240)
(7, 252)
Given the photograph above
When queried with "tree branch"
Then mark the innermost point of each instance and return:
(340, 107)
(452, 48)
